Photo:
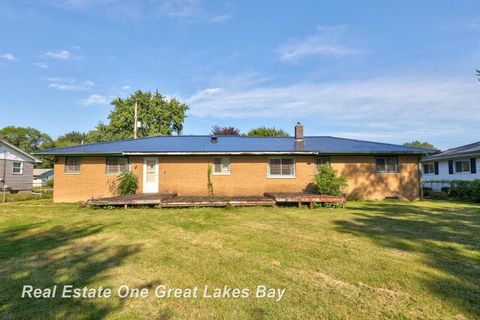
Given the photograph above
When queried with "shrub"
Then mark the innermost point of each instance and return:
(465, 190)
(427, 192)
(327, 181)
(476, 190)
(127, 183)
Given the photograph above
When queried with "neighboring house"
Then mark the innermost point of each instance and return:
(16, 168)
(462, 163)
(240, 166)
(41, 177)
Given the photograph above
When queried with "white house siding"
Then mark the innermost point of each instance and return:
(444, 175)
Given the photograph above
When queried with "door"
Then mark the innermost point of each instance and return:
(150, 175)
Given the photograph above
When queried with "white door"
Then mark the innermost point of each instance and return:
(150, 175)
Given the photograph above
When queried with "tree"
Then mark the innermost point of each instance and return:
(28, 139)
(419, 144)
(225, 131)
(157, 114)
(71, 138)
(267, 132)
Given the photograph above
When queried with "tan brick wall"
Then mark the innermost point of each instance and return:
(187, 175)
(369, 185)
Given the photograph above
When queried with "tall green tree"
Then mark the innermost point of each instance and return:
(26, 138)
(267, 132)
(71, 138)
(157, 114)
(419, 144)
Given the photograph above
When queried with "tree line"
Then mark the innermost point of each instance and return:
(158, 115)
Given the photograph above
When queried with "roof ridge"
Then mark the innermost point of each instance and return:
(464, 146)
(384, 143)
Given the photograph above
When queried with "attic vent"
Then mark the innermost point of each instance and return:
(213, 139)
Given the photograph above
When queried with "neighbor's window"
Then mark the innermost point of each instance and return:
(387, 164)
(72, 165)
(320, 161)
(281, 167)
(429, 168)
(17, 168)
(221, 166)
(462, 166)
(116, 165)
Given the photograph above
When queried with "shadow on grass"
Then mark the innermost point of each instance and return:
(41, 257)
(447, 237)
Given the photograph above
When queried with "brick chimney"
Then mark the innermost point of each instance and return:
(299, 132)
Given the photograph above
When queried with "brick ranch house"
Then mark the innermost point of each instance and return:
(241, 166)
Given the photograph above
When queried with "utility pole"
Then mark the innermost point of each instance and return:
(135, 122)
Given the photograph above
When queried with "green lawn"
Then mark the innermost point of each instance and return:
(372, 260)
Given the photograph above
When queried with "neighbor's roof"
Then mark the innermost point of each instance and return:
(234, 145)
(14, 147)
(39, 172)
(472, 149)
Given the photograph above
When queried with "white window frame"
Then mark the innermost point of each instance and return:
(429, 165)
(21, 168)
(397, 167)
(282, 176)
(462, 161)
(107, 171)
(66, 171)
(223, 161)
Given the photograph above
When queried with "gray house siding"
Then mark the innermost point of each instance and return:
(16, 182)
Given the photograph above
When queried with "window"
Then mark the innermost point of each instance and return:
(116, 165)
(429, 168)
(387, 165)
(17, 168)
(221, 166)
(281, 168)
(72, 165)
(462, 166)
(320, 161)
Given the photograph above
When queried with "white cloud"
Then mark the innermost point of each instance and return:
(9, 57)
(41, 65)
(221, 18)
(67, 84)
(125, 87)
(185, 10)
(62, 54)
(180, 8)
(386, 106)
(95, 99)
(328, 41)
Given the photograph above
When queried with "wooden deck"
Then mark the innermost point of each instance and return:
(133, 199)
(171, 200)
(248, 201)
(308, 198)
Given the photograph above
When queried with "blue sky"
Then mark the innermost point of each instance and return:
(374, 70)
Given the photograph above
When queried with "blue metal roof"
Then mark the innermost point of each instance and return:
(472, 149)
(235, 144)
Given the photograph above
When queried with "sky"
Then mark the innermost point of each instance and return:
(387, 71)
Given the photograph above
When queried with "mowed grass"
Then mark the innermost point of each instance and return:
(373, 260)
